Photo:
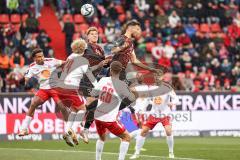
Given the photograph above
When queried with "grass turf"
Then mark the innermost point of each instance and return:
(218, 148)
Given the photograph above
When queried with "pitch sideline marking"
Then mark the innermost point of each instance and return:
(110, 153)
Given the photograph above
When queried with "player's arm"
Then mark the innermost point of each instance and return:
(100, 65)
(91, 77)
(138, 63)
(27, 76)
(131, 94)
(173, 101)
(119, 45)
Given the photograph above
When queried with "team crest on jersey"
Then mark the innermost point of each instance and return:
(45, 74)
(157, 100)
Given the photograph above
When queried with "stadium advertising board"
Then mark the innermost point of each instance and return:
(197, 113)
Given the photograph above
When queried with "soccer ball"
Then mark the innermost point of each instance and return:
(87, 10)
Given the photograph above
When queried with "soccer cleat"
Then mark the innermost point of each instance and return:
(23, 132)
(171, 155)
(84, 136)
(143, 149)
(68, 140)
(135, 156)
(74, 136)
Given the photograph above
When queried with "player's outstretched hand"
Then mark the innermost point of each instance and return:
(103, 63)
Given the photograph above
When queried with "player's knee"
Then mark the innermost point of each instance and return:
(144, 132)
(102, 138)
(168, 131)
(126, 138)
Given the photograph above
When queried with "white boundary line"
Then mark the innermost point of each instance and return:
(109, 153)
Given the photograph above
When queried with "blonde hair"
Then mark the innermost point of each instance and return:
(78, 46)
(90, 29)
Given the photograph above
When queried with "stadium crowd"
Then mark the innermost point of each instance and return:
(197, 40)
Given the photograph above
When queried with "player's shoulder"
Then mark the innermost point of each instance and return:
(32, 65)
(49, 59)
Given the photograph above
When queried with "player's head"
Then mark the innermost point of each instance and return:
(78, 46)
(133, 27)
(115, 68)
(92, 34)
(38, 56)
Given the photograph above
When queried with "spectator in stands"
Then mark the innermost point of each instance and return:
(174, 19)
(17, 60)
(42, 38)
(4, 64)
(47, 50)
(69, 30)
(110, 31)
(9, 48)
(12, 5)
(38, 4)
(226, 67)
(32, 24)
(187, 81)
(142, 5)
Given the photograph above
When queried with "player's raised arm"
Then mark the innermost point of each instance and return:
(138, 63)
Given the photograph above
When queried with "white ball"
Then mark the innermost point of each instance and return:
(87, 10)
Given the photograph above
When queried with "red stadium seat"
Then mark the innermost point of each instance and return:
(149, 46)
(16, 27)
(215, 27)
(24, 17)
(122, 17)
(67, 17)
(204, 28)
(119, 9)
(78, 18)
(4, 18)
(77, 28)
(15, 18)
(83, 27)
(76, 36)
(196, 26)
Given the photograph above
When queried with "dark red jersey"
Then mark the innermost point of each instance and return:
(124, 55)
(94, 53)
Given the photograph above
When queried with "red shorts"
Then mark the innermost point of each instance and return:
(115, 128)
(153, 121)
(45, 94)
(70, 97)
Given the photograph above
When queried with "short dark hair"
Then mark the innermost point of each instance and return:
(116, 67)
(133, 22)
(35, 51)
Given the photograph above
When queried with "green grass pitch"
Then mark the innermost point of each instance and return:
(215, 148)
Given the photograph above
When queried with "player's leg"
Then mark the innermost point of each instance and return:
(89, 117)
(101, 130)
(140, 142)
(91, 107)
(149, 125)
(169, 136)
(76, 116)
(125, 140)
(37, 100)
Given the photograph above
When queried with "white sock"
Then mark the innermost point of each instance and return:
(70, 121)
(99, 149)
(170, 143)
(135, 133)
(123, 150)
(139, 143)
(78, 119)
(26, 122)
